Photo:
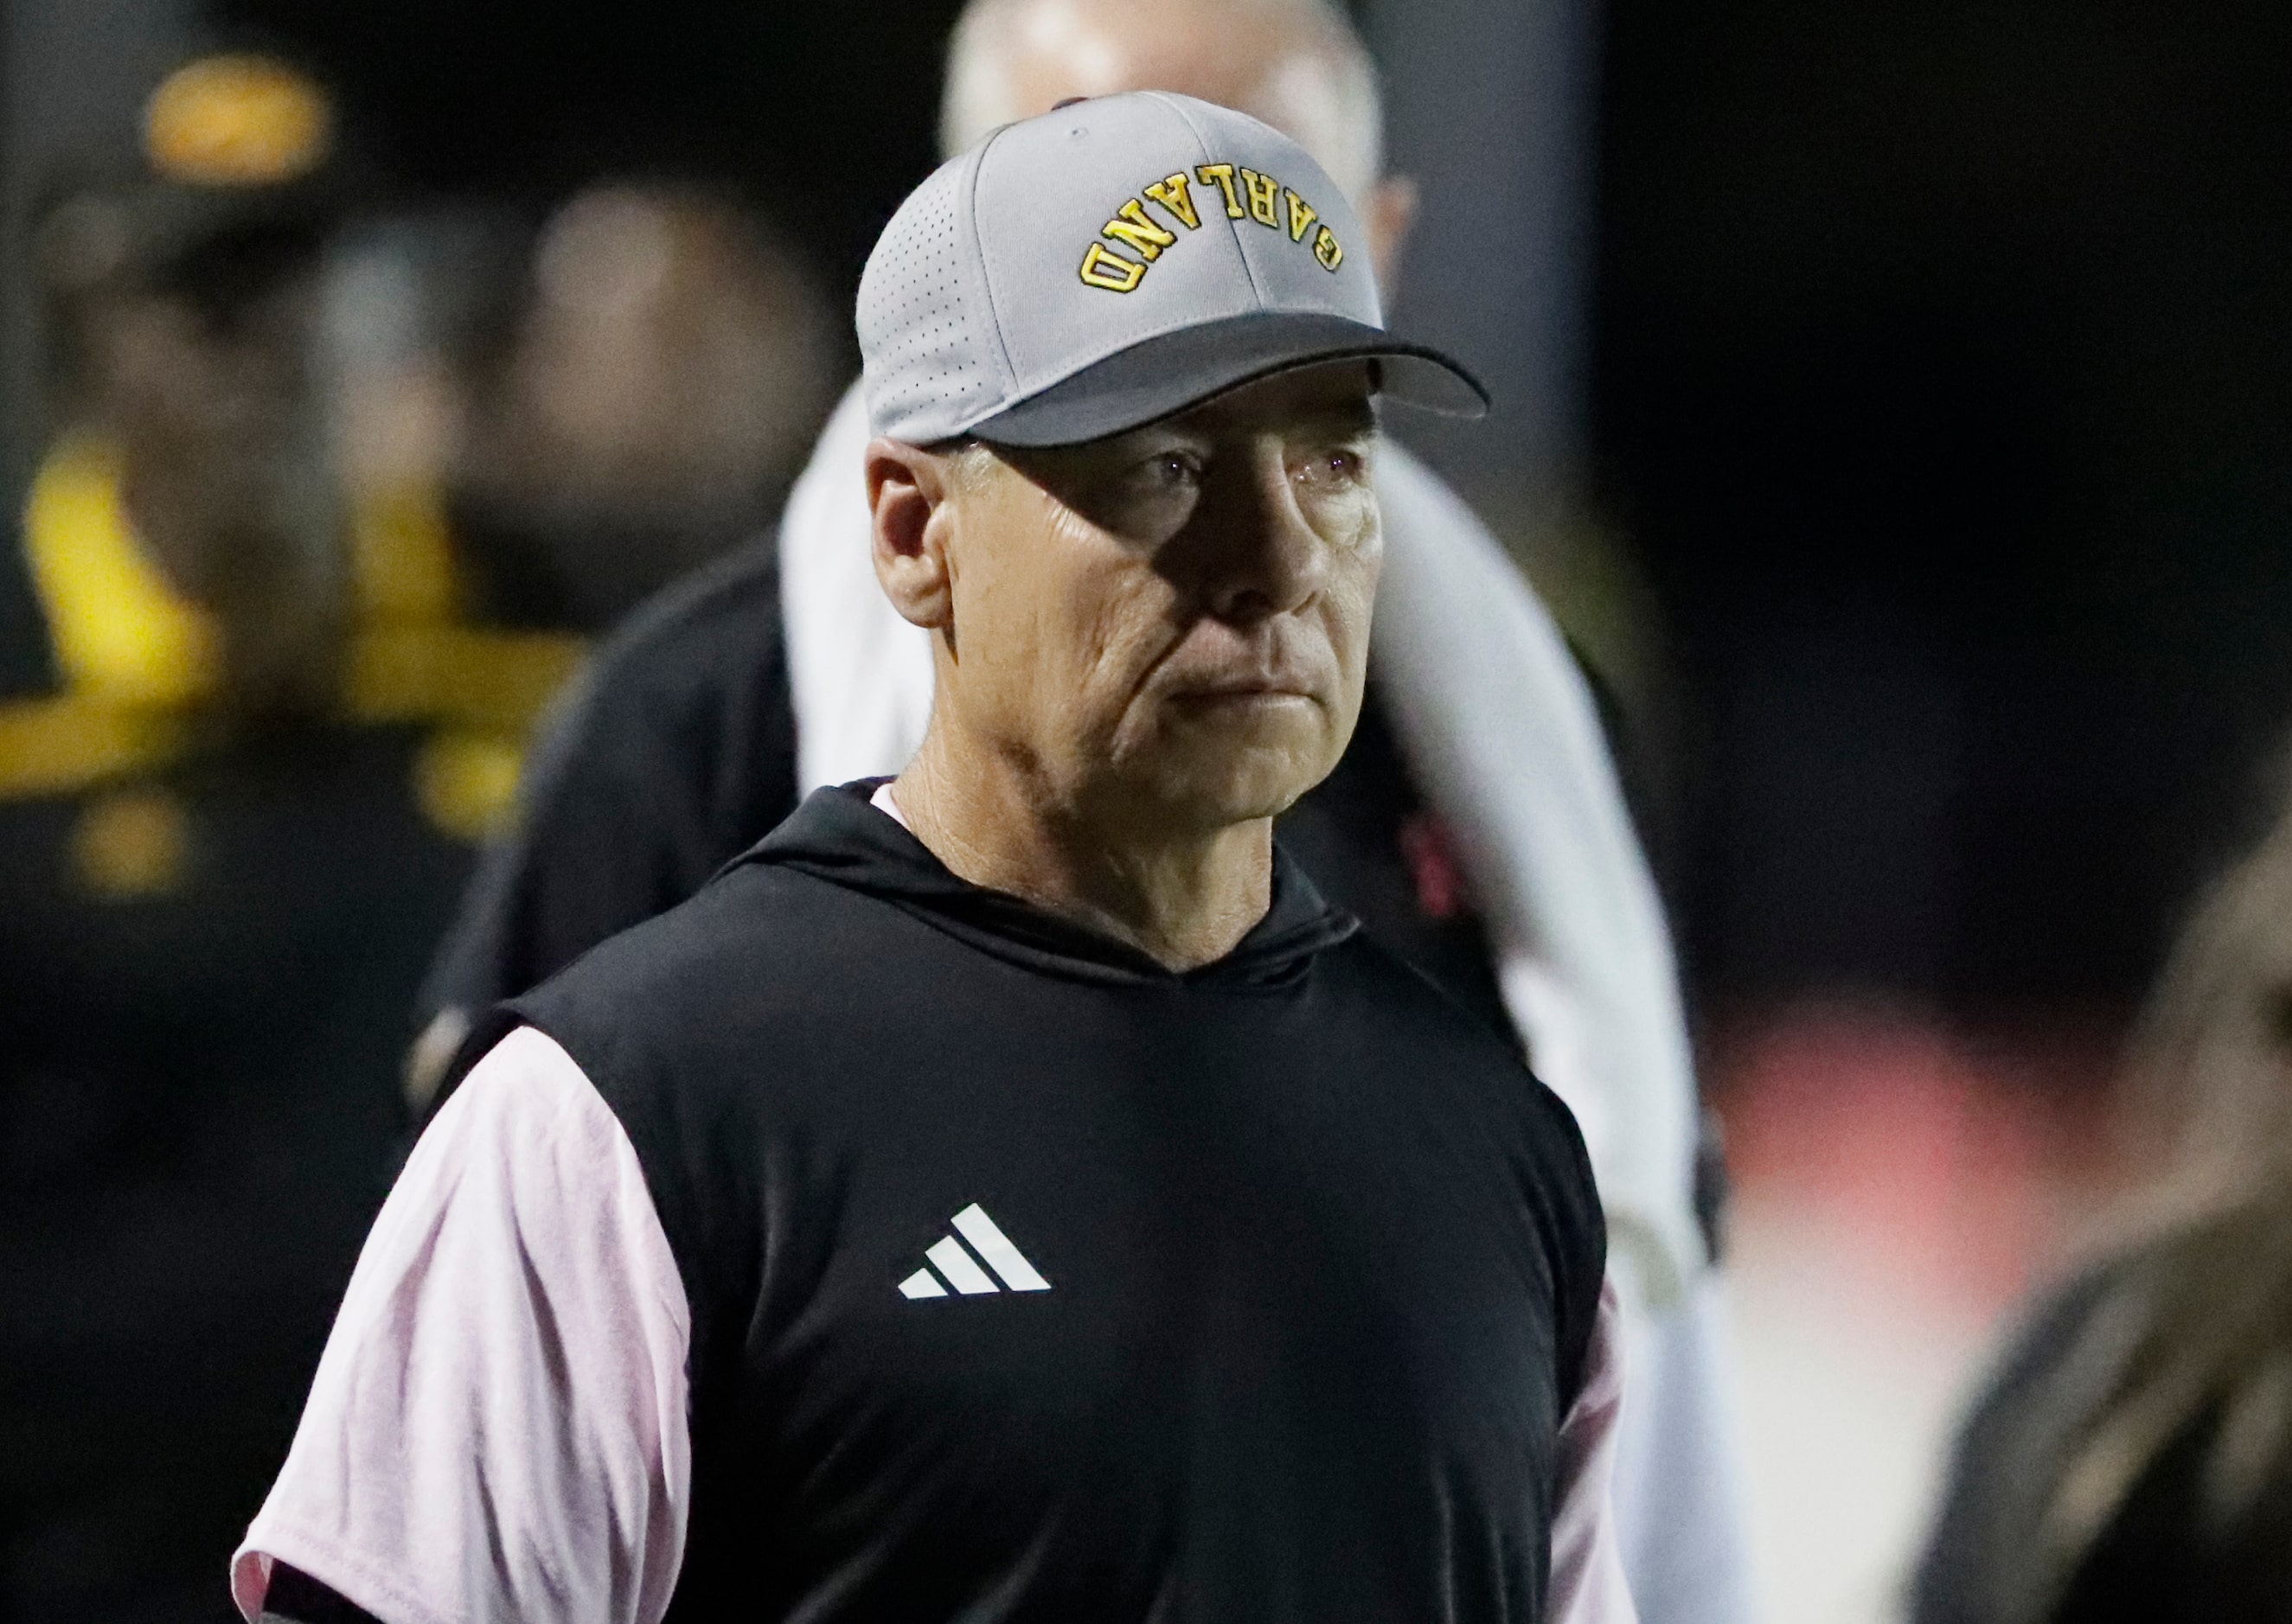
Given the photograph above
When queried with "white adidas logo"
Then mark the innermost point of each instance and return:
(962, 1270)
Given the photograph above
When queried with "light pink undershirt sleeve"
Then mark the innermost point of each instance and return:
(498, 1430)
(1587, 1584)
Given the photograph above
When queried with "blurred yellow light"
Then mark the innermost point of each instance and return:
(237, 121)
(122, 631)
(133, 843)
(465, 782)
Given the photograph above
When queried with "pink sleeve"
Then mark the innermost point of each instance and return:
(497, 1429)
(1587, 1583)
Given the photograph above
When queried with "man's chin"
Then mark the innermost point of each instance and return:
(1213, 789)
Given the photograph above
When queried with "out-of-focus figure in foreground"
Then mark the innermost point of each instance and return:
(2132, 1460)
(1475, 824)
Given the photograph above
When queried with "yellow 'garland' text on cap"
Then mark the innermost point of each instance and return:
(1248, 194)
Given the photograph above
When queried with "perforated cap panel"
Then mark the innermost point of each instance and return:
(928, 365)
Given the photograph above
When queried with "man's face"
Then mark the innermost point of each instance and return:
(1172, 624)
(669, 368)
(205, 420)
(226, 483)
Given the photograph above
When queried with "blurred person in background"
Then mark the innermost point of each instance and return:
(1476, 823)
(216, 885)
(658, 388)
(2131, 1457)
(536, 425)
(326, 517)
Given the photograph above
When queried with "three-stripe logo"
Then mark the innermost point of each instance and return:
(957, 1266)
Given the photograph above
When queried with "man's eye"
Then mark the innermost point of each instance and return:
(1336, 466)
(1173, 468)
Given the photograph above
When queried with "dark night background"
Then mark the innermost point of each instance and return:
(1943, 359)
(1938, 370)
(1935, 375)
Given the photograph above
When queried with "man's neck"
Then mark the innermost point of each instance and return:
(1184, 901)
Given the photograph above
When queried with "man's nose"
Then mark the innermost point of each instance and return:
(1270, 560)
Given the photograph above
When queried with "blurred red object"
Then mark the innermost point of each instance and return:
(1432, 866)
(1951, 1161)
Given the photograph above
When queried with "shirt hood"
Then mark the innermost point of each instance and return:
(835, 835)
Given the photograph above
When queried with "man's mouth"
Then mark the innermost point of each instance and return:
(1243, 691)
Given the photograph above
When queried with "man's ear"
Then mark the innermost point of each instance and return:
(907, 490)
(1391, 210)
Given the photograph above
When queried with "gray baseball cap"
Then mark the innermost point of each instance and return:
(1116, 260)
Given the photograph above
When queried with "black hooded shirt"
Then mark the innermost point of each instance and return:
(1285, 1283)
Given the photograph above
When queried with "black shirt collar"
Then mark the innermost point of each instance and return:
(835, 835)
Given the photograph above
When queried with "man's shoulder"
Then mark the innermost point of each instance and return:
(756, 923)
(1446, 1045)
(763, 958)
(1455, 1071)
(671, 754)
(684, 716)
(718, 629)
(1406, 1001)
(740, 1016)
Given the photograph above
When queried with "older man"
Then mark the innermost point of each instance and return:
(1011, 1191)
(1475, 826)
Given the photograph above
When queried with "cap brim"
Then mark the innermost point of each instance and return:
(1158, 376)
